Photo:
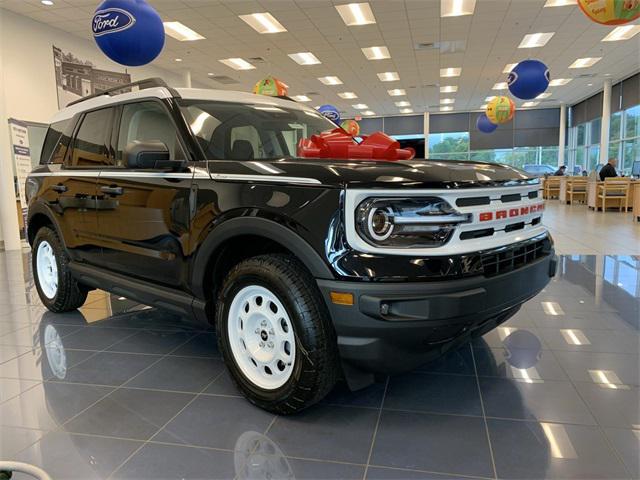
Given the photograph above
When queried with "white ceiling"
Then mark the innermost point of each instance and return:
(490, 37)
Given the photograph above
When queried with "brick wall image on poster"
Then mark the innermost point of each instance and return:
(76, 77)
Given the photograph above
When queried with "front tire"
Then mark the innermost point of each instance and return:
(275, 334)
(58, 290)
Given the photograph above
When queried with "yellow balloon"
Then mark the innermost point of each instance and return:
(500, 110)
(611, 12)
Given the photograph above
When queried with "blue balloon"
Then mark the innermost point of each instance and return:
(129, 32)
(528, 79)
(331, 112)
(484, 124)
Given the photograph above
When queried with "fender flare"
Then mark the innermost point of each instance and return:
(256, 226)
(42, 209)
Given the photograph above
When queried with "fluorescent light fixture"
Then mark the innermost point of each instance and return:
(450, 72)
(237, 63)
(560, 445)
(388, 76)
(457, 8)
(529, 104)
(559, 82)
(483, 107)
(552, 308)
(500, 86)
(585, 62)
(535, 40)
(301, 98)
(488, 99)
(360, 106)
(447, 101)
(624, 32)
(181, 32)
(543, 95)
(368, 112)
(330, 80)
(574, 336)
(48, 3)
(607, 379)
(508, 67)
(196, 127)
(560, 3)
(177, 59)
(449, 89)
(304, 58)
(263, 22)
(347, 95)
(356, 14)
(376, 53)
(397, 92)
(406, 110)
(446, 109)
(403, 103)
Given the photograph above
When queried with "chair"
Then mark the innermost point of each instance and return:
(614, 189)
(577, 188)
(551, 187)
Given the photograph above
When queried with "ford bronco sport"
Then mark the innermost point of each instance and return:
(312, 269)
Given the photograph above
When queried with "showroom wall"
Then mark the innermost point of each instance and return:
(27, 77)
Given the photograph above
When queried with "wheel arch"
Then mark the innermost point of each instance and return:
(38, 217)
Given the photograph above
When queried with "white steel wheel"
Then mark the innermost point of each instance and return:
(261, 337)
(56, 355)
(47, 269)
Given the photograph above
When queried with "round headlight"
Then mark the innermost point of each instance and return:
(380, 223)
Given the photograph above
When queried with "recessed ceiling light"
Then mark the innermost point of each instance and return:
(508, 67)
(406, 110)
(237, 63)
(624, 32)
(560, 3)
(450, 72)
(376, 53)
(368, 112)
(529, 104)
(558, 82)
(488, 99)
(389, 76)
(347, 95)
(301, 98)
(330, 80)
(263, 22)
(544, 95)
(589, 84)
(48, 3)
(446, 109)
(181, 32)
(447, 101)
(483, 107)
(535, 40)
(585, 62)
(360, 106)
(356, 14)
(457, 8)
(449, 89)
(500, 86)
(304, 58)
(397, 92)
(178, 59)
(403, 103)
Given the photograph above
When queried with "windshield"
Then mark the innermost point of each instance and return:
(240, 131)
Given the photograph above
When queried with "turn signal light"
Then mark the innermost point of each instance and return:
(342, 298)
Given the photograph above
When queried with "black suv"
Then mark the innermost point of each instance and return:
(197, 201)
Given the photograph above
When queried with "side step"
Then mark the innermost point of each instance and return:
(169, 299)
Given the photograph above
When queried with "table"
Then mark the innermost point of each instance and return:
(592, 194)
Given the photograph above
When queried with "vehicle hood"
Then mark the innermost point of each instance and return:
(374, 173)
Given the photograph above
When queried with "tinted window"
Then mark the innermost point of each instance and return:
(147, 122)
(90, 145)
(51, 140)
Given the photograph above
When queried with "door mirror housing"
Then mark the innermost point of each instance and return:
(150, 154)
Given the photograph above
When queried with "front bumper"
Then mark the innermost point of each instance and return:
(395, 327)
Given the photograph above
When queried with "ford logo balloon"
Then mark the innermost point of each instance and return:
(129, 32)
(330, 112)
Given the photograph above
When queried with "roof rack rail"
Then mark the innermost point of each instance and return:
(141, 84)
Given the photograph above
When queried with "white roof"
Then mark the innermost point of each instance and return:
(186, 93)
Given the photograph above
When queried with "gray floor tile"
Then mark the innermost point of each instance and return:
(223, 385)
(27, 366)
(437, 443)
(12, 387)
(546, 401)
(15, 439)
(129, 413)
(386, 473)
(612, 407)
(627, 444)
(152, 341)
(11, 352)
(518, 363)
(155, 461)
(32, 336)
(527, 338)
(79, 457)
(204, 344)
(581, 366)
(326, 433)
(261, 466)
(56, 363)
(455, 394)
(107, 368)
(458, 362)
(184, 374)
(370, 396)
(216, 422)
(96, 339)
(602, 341)
(533, 450)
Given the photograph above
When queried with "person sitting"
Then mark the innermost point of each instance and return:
(560, 171)
(609, 170)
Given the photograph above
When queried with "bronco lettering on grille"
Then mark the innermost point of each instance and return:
(510, 213)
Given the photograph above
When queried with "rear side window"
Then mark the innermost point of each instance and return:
(51, 140)
(90, 144)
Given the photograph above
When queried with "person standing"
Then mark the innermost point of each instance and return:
(609, 170)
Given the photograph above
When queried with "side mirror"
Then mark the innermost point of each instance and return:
(152, 154)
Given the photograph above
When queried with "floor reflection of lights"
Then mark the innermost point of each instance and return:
(607, 379)
(552, 308)
(574, 336)
(559, 442)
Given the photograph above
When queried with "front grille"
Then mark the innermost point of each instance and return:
(512, 258)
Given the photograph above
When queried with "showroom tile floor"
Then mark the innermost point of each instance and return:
(124, 391)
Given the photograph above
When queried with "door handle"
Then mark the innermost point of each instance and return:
(112, 190)
(59, 188)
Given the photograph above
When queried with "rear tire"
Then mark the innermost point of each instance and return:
(58, 290)
(275, 334)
